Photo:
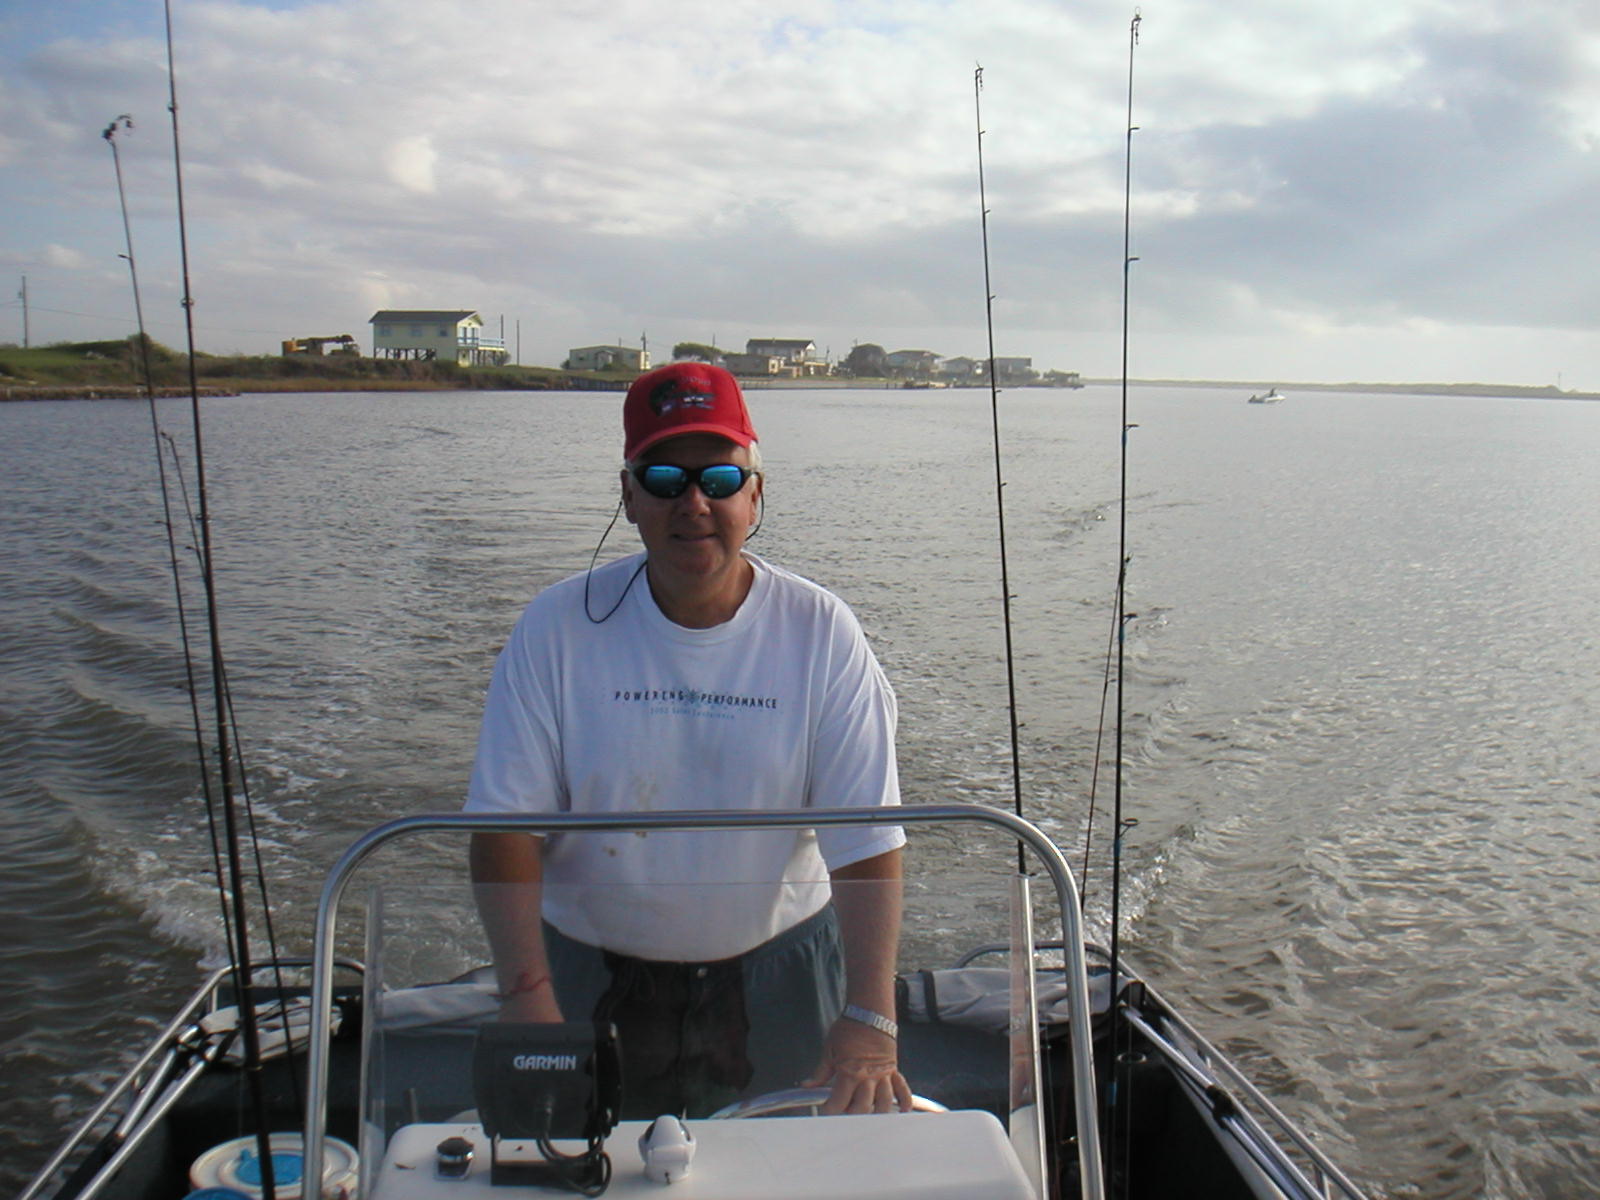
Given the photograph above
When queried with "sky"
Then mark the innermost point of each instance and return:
(1331, 191)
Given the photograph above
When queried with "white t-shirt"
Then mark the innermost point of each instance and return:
(784, 706)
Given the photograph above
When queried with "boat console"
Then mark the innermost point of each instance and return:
(926, 1156)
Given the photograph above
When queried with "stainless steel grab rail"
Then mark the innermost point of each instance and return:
(149, 1092)
(1091, 1180)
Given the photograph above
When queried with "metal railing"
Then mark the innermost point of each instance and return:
(1206, 1069)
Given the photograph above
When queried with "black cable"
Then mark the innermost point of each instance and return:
(589, 574)
(588, 1174)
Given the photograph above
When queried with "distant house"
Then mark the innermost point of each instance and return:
(797, 356)
(608, 358)
(1014, 370)
(449, 336)
(911, 364)
(959, 370)
(791, 350)
(753, 364)
(1068, 379)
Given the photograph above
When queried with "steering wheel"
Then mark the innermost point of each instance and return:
(796, 1099)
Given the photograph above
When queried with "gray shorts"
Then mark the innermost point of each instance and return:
(696, 1036)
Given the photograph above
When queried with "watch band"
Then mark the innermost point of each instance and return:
(876, 1020)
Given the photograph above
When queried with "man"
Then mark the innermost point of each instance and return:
(697, 676)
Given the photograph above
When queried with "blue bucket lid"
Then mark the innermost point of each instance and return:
(286, 1168)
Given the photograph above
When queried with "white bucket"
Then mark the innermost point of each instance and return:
(236, 1165)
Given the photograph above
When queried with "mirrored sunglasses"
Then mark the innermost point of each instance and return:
(717, 482)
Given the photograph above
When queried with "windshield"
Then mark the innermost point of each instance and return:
(608, 1007)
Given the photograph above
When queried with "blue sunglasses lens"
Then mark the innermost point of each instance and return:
(662, 481)
(667, 482)
(722, 480)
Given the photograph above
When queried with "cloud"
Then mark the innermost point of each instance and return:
(63, 258)
(808, 166)
(1457, 200)
(411, 163)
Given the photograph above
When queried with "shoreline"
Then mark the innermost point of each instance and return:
(22, 393)
(1504, 391)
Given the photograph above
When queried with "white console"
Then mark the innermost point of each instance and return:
(958, 1155)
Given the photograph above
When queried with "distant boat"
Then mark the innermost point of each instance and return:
(1269, 397)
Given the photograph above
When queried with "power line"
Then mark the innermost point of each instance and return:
(67, 312)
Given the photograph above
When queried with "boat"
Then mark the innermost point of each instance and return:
(1044, 1066)
(384, 1082)
(1270, 396)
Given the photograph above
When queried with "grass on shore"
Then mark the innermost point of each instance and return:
(77, 366)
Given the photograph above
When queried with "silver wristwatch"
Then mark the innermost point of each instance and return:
(876, 1020)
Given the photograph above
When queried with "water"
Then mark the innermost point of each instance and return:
(1363, 685)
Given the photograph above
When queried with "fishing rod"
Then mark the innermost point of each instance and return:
(125, 121)
(120, 123)
(1121, 614)
(999, 478)
(240, 935)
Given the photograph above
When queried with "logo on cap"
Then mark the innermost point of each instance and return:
(670, 394)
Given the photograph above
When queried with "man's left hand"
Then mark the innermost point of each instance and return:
(862, 1066)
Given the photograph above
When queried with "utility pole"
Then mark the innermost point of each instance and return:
(519, 341)
(24, 295)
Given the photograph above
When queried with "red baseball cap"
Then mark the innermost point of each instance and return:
(683, 397)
